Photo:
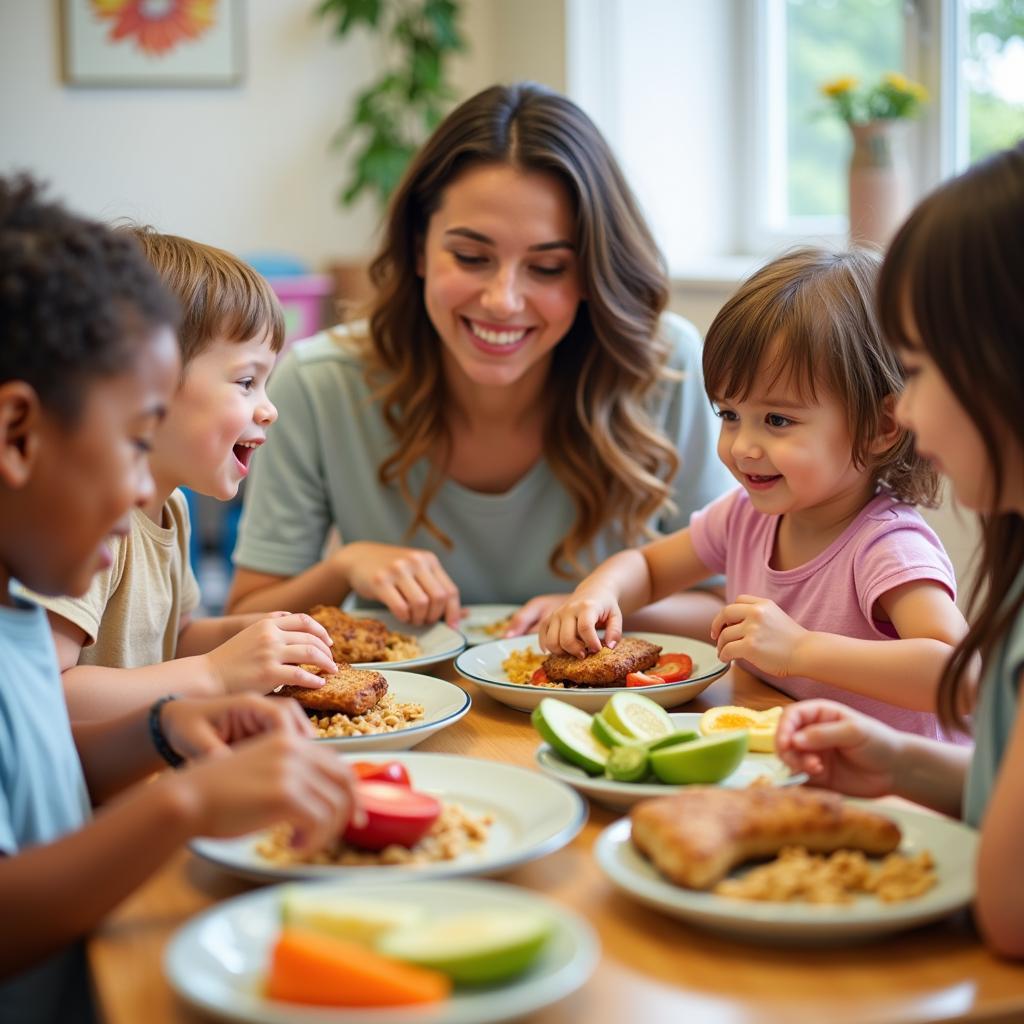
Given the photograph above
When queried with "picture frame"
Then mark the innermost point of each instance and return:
(138, 43)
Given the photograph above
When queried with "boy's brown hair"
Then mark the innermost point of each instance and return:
(220, 295)
(809, 318)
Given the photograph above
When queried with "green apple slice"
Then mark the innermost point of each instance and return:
(344, 916)
(706, 760)
(637, 716)
(473, 948)
(567, 728)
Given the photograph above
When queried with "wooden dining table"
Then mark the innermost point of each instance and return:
(653, 968)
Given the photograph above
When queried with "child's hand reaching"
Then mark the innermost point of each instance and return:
(209, 726)
(839, 748)
(760, 632)
(276, 777)
(572, 628)
(267, 654)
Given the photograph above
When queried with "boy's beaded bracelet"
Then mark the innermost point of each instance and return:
(156, 733)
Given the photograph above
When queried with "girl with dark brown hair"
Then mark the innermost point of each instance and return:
(952, 304)
(835, 585)
(517, 406)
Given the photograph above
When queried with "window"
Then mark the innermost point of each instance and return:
(968, 53)
(992, 79)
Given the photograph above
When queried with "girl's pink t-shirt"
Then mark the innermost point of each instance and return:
(887, 545)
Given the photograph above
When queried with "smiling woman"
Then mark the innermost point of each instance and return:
(516, 407)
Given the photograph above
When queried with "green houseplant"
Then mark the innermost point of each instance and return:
(391, 116)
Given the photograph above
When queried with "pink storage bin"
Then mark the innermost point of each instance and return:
(302, 299)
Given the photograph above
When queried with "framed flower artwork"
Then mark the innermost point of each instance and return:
(151, 42)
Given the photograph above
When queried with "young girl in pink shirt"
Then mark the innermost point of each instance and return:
(835, 585)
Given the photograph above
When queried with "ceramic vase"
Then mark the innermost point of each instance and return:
(879, 181)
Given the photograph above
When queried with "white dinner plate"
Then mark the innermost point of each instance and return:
(479, 616)
(622, 795)
(482, 665)
(443, 705)
(952, 844)
(218, 960)
(438, 642)
(532, 816)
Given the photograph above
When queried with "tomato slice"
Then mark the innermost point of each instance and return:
(382, 771)
(673, 668)
(394, 814)
(539, 678)
(643, 679)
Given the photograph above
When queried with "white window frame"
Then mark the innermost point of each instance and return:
(934, 33)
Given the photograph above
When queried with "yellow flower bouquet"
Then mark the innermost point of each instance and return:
(894, 96)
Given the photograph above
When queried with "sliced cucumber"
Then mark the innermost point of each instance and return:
(683, 736)
(607, 734)
(627, 764)
(637, 716)
(707, 760)
(567, 729)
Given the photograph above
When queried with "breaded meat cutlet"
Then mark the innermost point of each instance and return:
(352, 691)
(608, 667)
(696, 837)
(355, 640)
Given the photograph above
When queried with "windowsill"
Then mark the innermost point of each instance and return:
(715, 273)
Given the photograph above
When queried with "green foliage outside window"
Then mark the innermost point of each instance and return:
(995, 121)
(864, 39)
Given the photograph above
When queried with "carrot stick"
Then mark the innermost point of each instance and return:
(309, 967)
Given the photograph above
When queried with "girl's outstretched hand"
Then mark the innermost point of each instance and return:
(760, 632)
(411, 582)
(269, 652)
(839, 748)
(534, 612)
(572, 628)
(199, 727)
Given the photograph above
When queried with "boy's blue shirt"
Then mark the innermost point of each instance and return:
(43, 795)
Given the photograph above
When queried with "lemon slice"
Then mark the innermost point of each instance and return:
(760, 725)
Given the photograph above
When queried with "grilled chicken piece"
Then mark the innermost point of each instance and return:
(354, 639)
(696, 837)
(609, 667)
(352, 691)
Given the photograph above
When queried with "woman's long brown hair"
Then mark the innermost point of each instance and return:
(955, 272)
(600, 440)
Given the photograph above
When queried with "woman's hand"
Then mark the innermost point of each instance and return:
(208, 726)
(760, 632)
(277, 777)
(839, 748)
(572, 628)
(529, 617)
(409, 581)
(267, 654)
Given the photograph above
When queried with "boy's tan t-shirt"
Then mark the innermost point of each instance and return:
(132, 612)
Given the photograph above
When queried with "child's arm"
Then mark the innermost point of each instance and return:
(200, 636)
(620, 586)
(260, 657)
(904, 672)
(853, 753)
(999, 904)
(54, 894)
(410, 582)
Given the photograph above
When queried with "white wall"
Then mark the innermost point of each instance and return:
(247, 167)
